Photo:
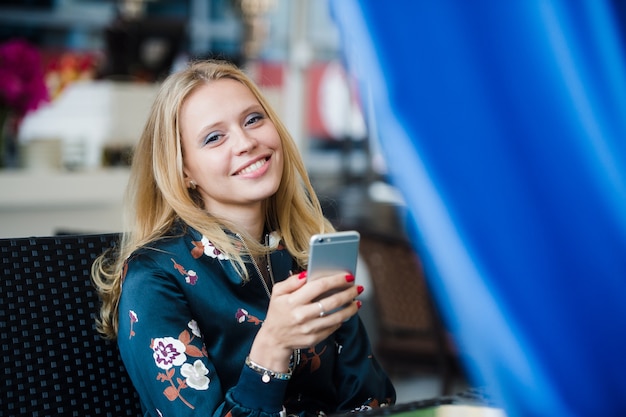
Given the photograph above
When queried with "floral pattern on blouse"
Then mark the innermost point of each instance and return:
(191, 277)
(133, 319)
(275, 241)
(210, 250)
(172, 354)
(243, 316)
(311, 358)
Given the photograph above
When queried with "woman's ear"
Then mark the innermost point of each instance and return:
(190, 183)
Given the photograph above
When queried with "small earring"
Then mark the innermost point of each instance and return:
(192, 185)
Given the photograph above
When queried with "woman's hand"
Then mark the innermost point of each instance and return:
(298, 316)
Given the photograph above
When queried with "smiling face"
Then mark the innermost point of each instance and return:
(231, 149)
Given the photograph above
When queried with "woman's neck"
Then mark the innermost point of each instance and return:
(250, 222)
(252, 229)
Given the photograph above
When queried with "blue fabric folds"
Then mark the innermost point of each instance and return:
(504, 126)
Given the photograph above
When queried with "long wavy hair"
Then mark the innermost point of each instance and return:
(157, 195)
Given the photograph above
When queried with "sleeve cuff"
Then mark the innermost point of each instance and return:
(252, 392)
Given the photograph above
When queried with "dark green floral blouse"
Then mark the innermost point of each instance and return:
(187, 322)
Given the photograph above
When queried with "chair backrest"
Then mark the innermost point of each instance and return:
(401, 291)
(54, 363)
(411, 336)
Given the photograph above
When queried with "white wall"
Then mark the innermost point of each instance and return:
(92, 114)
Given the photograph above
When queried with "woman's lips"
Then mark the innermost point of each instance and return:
(252, 167)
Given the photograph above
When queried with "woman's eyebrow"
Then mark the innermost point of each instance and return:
(206, 129)
(252, 107)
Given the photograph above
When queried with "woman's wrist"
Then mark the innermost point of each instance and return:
(267, 354)
(268, 374)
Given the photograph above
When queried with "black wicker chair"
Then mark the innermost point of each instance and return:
(53, 361)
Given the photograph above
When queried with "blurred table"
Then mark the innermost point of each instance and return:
(452, 410)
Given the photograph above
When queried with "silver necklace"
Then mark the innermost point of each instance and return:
(258, 270)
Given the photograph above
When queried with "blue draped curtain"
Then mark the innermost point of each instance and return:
(504, 126)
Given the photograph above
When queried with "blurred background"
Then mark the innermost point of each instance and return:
(102, 62)
(65, 153)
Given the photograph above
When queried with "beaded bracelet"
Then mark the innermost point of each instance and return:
(268, 374)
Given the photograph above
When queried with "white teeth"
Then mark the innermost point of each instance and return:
(252, 167)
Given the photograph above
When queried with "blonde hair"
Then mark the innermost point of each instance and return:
(157, 195)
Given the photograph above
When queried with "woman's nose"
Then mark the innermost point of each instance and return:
(244, 141)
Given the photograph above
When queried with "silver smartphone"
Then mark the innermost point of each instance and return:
(332, 252)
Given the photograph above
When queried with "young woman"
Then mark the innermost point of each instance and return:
(207, 296)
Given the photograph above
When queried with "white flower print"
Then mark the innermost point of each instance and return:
(171, 355)
(193, 325)
(211, 250)
(274, 239)
(168, 352)
(196, 375)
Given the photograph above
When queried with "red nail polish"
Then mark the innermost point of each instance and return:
(302, 275)
(349, 278)
(360, 289)
(359, 303)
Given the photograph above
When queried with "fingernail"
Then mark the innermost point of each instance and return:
(360, 289)
(302, 275)
(349, 278)
(359, 303)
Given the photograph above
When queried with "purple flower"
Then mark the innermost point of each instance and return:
(22, 79)
(168, 352)
(191, 277)
(133, 316)
(241, 315)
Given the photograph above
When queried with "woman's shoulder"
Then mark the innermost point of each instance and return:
(181, 241)
(171, 242)
(178, 251)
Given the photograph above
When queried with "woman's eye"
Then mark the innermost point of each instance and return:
(253, 118)
(212, 138)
